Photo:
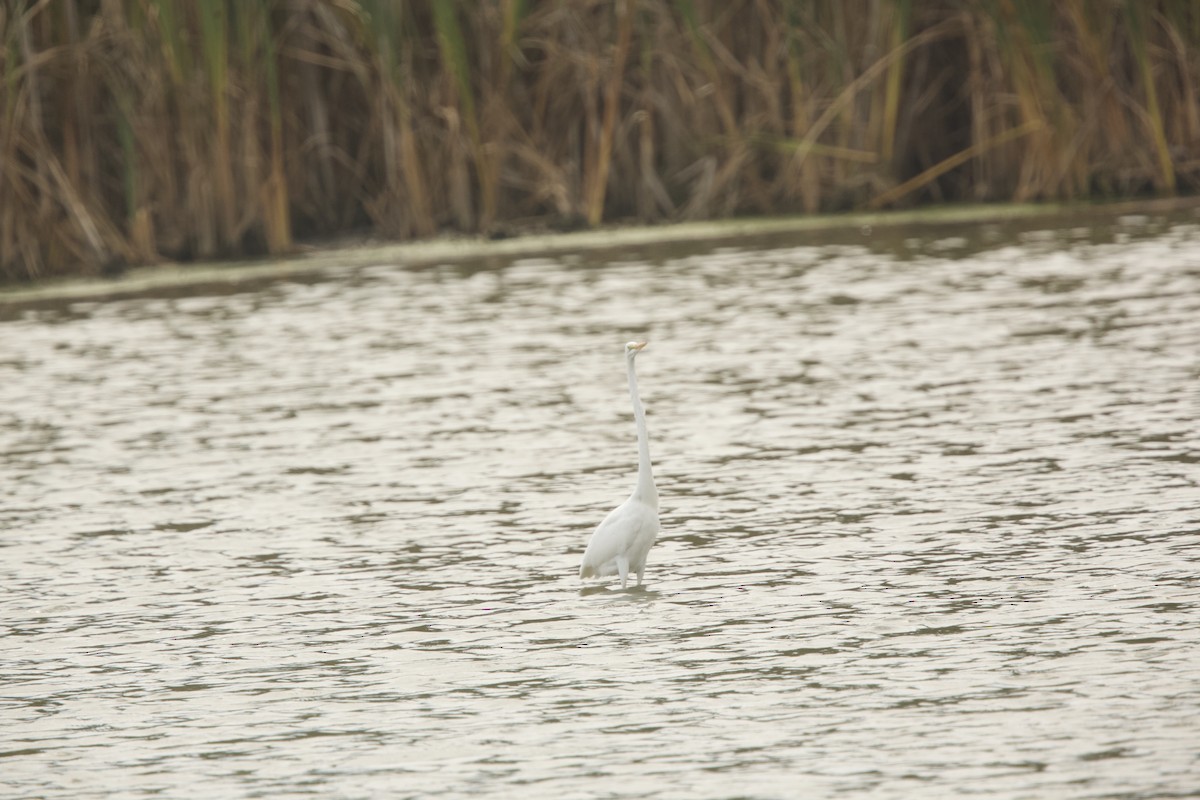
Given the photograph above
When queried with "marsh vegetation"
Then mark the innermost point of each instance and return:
(133, 131)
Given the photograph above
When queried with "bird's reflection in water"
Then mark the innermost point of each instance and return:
(633, 593)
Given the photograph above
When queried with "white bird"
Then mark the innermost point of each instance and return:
(621, 542)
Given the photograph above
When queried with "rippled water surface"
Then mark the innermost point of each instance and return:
(930, 505)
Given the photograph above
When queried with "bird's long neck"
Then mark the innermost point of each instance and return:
(645, 483)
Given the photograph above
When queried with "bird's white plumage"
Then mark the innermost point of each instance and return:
(620, 543)
(626, 534)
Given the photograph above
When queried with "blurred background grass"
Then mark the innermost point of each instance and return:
(135, 131)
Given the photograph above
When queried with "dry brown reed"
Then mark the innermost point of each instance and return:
(140, 130)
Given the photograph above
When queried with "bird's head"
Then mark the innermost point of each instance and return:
(633, 348)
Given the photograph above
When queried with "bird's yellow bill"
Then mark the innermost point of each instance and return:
(639, 345)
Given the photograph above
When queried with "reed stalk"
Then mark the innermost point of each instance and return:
(598, 168)
(1135, 14)
(454, 54)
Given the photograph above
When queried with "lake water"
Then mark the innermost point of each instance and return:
(930, 506)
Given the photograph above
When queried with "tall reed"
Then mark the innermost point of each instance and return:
(138, 130)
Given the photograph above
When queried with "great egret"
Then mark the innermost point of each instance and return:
(621, 542)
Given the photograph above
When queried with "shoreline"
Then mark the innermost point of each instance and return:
(349, 255)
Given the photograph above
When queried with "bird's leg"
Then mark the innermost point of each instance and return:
(623, 569)
(641, 572)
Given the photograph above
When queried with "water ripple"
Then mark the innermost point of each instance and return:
(930, 511)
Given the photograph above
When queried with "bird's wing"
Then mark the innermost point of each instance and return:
(613, 535)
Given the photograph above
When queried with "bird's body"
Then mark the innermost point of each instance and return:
(621, 542)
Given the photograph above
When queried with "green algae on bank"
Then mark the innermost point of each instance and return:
(320, 259)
